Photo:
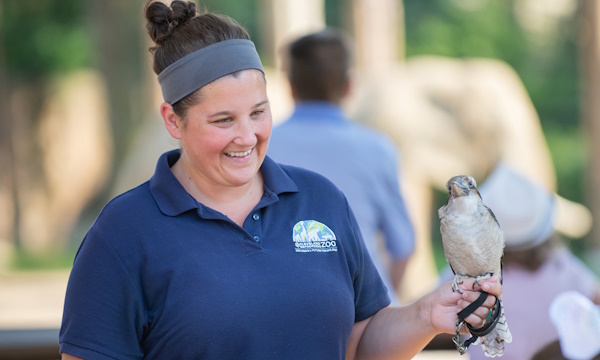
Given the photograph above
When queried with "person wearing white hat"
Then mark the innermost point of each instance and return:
(537, 266)
(577, 320)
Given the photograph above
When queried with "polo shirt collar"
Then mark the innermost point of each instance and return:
(314, 110)
(169, 194)
(276, 181)
(172, 199)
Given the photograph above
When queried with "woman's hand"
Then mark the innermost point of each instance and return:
(401, 332)
(478, 317)
(445, 304)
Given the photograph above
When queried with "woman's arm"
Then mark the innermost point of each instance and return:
(402, 332)
(69, 357)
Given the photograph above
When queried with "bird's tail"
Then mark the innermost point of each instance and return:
(493, 343)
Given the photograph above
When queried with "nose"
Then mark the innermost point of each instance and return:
(246, 132)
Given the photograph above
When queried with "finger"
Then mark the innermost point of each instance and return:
(449, 292)
(491, 279)
(470, 297)
(490, 302)
(492, 288)
(482, 311)
(476, 321)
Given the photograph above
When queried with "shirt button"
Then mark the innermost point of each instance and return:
(255, 216)
(256, 238)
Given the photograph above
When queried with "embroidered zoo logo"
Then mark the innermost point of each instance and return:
(313, 236)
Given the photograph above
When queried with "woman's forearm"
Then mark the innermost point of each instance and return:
(397, 333)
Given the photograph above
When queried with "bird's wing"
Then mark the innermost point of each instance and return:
(501, 269)
(493, 216)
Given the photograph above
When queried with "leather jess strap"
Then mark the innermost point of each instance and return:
(488, 326)
(473, 306)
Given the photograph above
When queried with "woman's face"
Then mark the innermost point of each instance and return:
(226, 135)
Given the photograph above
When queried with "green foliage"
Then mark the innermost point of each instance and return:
(247, 13)
(42, 37)
(54, 260)
(569, 155)
(490, 29)
(334, 13)
(439, 27)
(440, 198)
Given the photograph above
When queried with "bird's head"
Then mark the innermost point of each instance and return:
(461, 185)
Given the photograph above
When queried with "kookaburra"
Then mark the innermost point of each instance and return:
(474, 246)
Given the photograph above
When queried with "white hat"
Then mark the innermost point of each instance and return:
(528, 213)
(577, 321)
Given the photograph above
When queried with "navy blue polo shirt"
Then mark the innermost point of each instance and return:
(161, 276)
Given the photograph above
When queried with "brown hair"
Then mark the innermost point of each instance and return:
(318, 65)
(532, 259)
(178, 30)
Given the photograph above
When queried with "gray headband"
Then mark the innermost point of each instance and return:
(206, 65)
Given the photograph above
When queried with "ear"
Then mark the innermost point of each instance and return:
(292, 88)
(348, 87)
(172, 122)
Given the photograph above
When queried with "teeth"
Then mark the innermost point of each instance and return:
(239, 154)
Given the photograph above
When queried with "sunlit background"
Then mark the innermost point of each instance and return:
(458, 84)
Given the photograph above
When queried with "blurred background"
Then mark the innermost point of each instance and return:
(458, 84)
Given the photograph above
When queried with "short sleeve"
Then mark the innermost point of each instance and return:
(370, 294)
(103, 314)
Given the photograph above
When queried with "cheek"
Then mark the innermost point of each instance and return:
(205, 141)
(265, 129)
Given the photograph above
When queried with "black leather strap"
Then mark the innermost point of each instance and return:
(473, 306)
(487, 327)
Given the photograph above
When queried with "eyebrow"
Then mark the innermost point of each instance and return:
(226, 112)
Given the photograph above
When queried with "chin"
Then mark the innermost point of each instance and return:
(243, 177)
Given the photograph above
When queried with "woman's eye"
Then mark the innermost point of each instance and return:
(223, 121)
(257, 113)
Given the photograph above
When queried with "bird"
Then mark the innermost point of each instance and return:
(473, 245)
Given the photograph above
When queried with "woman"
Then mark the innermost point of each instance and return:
(224, 254)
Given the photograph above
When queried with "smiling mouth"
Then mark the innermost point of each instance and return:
(238, 154)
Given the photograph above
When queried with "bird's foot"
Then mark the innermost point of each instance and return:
(456, 282)
(482, 277)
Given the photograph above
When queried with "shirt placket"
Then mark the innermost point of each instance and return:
(252, 225)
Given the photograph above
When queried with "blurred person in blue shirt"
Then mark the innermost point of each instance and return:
(362, 162)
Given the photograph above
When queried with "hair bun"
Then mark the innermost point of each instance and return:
(162, 19)
(182, 11)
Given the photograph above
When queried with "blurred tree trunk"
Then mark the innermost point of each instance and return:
(8, 181)
(116, 25)
(287, 19)
(20, 170)
(589, 45)
(378, 30)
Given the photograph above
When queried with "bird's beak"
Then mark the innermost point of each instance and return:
(458, 190)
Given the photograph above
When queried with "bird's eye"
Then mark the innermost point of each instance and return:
(471, 185)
